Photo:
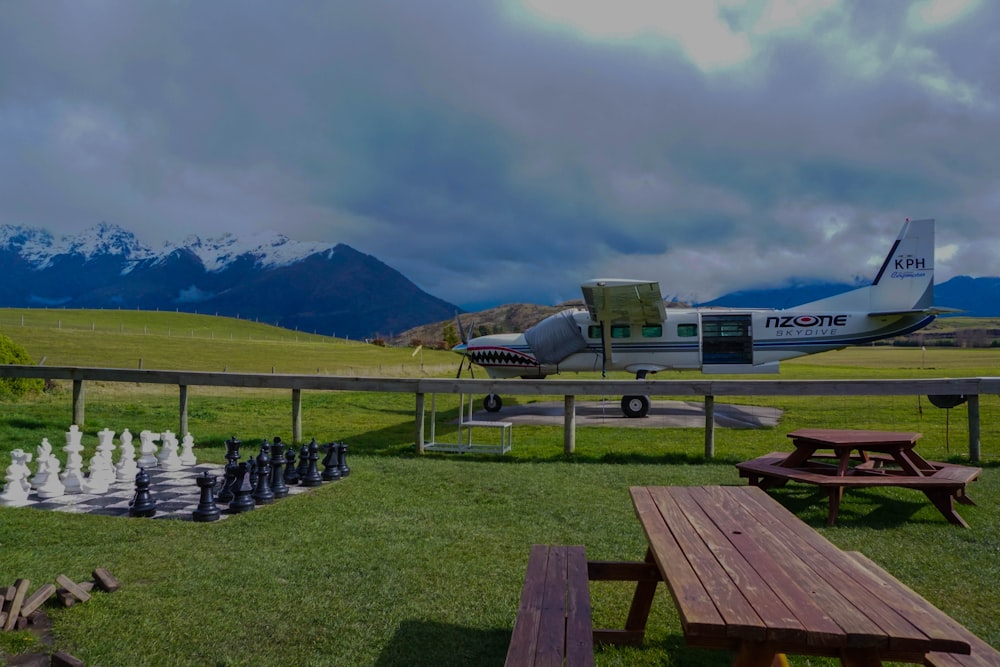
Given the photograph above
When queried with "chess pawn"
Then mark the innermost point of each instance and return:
(207, 510)
(127, 468)
(187, 451)
(72, 477)
(147, 449)
(291, 474)
(166, 437)
(262, 494)
(303, 461)
(168, 459)
(142, 503)
(52, 488)
(331, 469)
(242, 500)
(342, 459)
(312, 476)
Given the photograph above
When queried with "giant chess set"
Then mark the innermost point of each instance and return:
(166, 480)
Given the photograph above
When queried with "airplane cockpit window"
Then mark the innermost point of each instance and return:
(687, 330)
(652, 330)
(620, 331)
(594, 331)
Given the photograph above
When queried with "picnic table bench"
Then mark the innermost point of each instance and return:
(553, 624)
(747, 575)
(860, 458)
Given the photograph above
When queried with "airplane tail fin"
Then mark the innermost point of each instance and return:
(904, 283)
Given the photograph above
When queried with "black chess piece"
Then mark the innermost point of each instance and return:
(342, 459)
(331, 469)
(278, 486)
(142, 503)
(242, 500)
(207, 510)
(262, 493)
(227, 493)
(291, 474)
(303, 461)
(312, 476)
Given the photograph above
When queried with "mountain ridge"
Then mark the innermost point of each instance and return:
(318, 287)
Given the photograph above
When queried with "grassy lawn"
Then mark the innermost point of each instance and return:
(419, 560)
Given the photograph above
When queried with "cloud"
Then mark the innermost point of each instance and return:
(508, 150)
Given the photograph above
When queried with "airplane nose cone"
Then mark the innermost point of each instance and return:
(460, 348)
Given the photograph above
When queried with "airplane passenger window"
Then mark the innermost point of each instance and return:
(620, 331)
(652, 331)
(687, 330)
(594, 331)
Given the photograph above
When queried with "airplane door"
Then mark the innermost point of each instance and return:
(726, 339)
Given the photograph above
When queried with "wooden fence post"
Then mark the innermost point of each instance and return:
(709, 426)
(569, 424)
(184, 410)
(420, 423)
(78, 401)
(297, 416)
(973, 401)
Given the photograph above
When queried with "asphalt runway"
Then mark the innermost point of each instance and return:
(662, 414)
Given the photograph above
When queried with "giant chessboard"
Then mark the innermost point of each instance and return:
(176, 494)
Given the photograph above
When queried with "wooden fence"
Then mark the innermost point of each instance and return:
(971, 388)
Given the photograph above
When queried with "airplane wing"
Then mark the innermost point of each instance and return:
(622, 302)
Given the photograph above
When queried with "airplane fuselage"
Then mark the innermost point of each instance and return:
(713, 340)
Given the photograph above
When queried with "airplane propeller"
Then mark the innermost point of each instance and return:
(465, 341)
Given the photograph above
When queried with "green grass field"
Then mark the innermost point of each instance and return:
(419, 560)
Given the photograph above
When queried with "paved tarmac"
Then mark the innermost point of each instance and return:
(662, 414)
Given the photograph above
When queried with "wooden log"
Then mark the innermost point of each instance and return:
(106, 581)
(79, 591)
(63, 659)
(14, 611)
(37, 599)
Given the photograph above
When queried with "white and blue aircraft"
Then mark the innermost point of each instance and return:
(626, 326)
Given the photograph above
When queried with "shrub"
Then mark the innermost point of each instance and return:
(12, 353)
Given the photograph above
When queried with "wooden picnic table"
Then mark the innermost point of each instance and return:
(749, 576)
(835, 459)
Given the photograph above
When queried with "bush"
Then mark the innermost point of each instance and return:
(12, 353)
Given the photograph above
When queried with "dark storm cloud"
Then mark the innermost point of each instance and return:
(505, 151)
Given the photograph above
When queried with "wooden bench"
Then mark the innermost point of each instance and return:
(946, 484)
(554, 623)
(983, 655)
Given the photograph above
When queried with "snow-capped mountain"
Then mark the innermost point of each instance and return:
(327, 288)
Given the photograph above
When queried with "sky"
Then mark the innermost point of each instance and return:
(502, 151)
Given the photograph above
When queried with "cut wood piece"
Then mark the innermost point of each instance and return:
(106, 581)
(37, 599)
(14, 610)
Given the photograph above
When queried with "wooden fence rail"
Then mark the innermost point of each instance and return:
(971, 388)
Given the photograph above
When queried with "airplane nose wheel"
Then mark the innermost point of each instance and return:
(635, 406)
(492, 403)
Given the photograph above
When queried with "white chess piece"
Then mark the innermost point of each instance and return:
(21, 461)
(147, 449)
(101, 465)
(72, 477)
(165, 437)
(187, 451)
(168, 459)
(126, 470)
(16, 489)
(43, 454)
(52, 488)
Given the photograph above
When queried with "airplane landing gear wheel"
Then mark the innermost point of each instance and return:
(492, 403)
(635, 406)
